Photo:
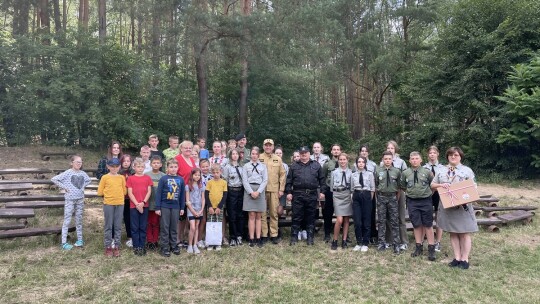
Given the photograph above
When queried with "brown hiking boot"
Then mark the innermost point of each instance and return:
(108, 252)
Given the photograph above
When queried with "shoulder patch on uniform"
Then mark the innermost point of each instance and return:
(275, 160)
(261, 160)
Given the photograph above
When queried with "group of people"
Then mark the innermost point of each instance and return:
(240, 187)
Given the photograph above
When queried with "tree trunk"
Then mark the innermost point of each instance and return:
(57, 17)
(102, 18)
(200, 68)
(243, 108)
(156, 22)
(64, 15)
(44, 21)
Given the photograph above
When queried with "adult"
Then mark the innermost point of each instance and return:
(241, 142)
(254, 179)
(370, 167)
(218, 157)
(433, 165)
(363, 187)
(185, 164)
(397, 162)
(328, 208)
(113, 151)
(318, 156)
(459, 221)
(274, 189)
(341, 192)
(416, 182)
(232, 173)
(304, 178)
(283, 199)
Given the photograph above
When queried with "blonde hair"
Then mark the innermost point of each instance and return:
(172, 161)
(138, 161)
(152, 136)
(393, 143)
(215, 167)
(415, 153)
(186, 142)
(145, 148)
(344, 154)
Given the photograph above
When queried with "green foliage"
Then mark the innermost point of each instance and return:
(522, 109)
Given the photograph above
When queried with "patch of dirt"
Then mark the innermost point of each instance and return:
(513, 196)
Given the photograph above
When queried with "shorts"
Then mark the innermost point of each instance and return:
(194, 218)
(420, 211)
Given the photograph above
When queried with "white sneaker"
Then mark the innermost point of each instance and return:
(438, 247)
(304, 235)
(129, 243)
(113, 245)
(357, 248)
(218, 248)
(300, 235)
(200, 244)
(403, 247)
(196, 250)
(209, 248)
(190, 249)
(364, 248)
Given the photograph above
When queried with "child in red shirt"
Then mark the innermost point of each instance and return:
(139, 188)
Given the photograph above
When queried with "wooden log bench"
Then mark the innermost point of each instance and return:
(35, 204)
(25, 198)
(521, 215)
(31, 181)
(47, 155)
(17, 213)
(38, 172)
(12, 225)
(5, 234)
(21, 188)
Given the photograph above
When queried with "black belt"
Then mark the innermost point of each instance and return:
(336, 190)
(236, 188)
(306, 191)
(254, 184)
(418, 198)
(361, 191)
(387, 193)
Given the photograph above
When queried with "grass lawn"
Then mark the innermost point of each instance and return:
(505, 268)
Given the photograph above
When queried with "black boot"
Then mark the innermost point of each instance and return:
(418, 251)
(260, 243)
(431, 252)
(251, 243)
(310, 240)
(344, 244)
(334, 245)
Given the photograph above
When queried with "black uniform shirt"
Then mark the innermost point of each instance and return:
(305, 176)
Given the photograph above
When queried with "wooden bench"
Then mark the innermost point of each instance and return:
(38, 172)
(47, 155)
(35, 204)
(25, 198)
(31, 181)
(21, 188)
(17, 213)
(32, 232)
(12, 225)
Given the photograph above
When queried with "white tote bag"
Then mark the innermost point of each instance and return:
(214, 232)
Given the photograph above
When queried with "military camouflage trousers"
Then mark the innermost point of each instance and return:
(387, 210)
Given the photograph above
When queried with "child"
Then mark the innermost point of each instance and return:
(232, 173)
(215, 197)
(363, 187)
(386, 181)
(433, 165)
(126, 170)
(231, 145)
(195, 203)
(152, 230)
(224, 148)
(170, 204)
(139, 188)
(340, 185)
(204, 164)
(114, 151)
(172, 150)
(153, 142)
(145, 155)
(195, 154)
(112, 187)
(73, 181)
(201, 142)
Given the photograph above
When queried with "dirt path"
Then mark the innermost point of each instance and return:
(513, 196)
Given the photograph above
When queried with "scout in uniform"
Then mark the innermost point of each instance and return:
(328, 209)
(386, 181)
(274, 189)
(433, 165)
(341, 192)
(232, 173)
(416, 182)
(363, 187)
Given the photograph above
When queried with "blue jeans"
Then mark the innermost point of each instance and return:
(138, 222)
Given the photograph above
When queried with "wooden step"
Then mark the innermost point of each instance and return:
(36, 204)
(515, 216)
(15, 187)
(25, 198)
(508, 208)
(25, 171)
(32, 232)
(16, 213)
(47, 155)
(12, 225)
(31, 181)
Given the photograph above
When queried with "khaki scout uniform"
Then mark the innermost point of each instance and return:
(276, 182)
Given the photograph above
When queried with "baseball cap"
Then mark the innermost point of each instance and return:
(303, 149)
(240, 136)
(268, 141)
(113, 162)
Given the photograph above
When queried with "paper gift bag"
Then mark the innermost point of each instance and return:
(458, 194)
(214, 233)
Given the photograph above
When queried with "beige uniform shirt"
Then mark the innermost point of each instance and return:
(276, 172)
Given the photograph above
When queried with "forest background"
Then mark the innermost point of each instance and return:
(422, 72)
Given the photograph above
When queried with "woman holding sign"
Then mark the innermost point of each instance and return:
(459, 221)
